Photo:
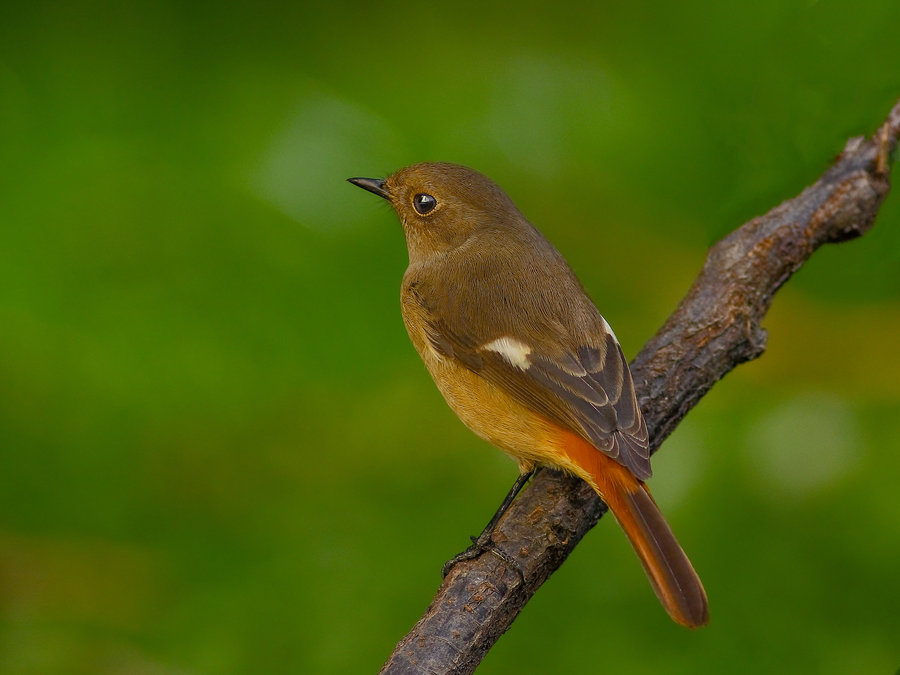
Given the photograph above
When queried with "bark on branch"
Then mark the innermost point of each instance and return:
(715, 328)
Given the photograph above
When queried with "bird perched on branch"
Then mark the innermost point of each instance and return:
(525, 360)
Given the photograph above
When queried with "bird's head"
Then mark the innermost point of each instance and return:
(441, 205)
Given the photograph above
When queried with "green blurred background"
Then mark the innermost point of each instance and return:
(215, 437)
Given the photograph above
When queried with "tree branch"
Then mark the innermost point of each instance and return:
(715, 328)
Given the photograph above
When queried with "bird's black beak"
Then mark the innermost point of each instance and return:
(373, 185)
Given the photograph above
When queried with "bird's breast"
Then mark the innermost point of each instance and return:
(483, 407)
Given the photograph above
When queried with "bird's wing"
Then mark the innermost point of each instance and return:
(586, 388)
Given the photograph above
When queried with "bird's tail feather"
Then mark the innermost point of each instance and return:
(671, 574)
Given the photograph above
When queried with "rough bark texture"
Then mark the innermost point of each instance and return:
(715, 328)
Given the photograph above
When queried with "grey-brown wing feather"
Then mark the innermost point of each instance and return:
(587, 390)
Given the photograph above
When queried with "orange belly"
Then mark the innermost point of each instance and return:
(530, 438)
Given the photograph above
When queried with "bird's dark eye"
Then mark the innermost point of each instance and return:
(424, 204)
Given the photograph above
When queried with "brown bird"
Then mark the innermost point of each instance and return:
(524, 358)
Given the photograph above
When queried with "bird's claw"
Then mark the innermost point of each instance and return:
(481, 545)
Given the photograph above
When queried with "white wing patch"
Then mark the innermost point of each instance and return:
(514, 351)
(609, 328)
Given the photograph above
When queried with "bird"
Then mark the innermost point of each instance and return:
(524, 358)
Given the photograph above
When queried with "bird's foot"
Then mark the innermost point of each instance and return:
(482, 544)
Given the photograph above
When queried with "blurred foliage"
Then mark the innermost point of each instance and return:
(215, 437)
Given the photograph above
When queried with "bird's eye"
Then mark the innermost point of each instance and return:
(424, 204)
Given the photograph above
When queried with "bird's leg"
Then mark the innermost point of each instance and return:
(483, 541)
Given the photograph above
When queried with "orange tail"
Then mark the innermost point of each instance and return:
(671, 574)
